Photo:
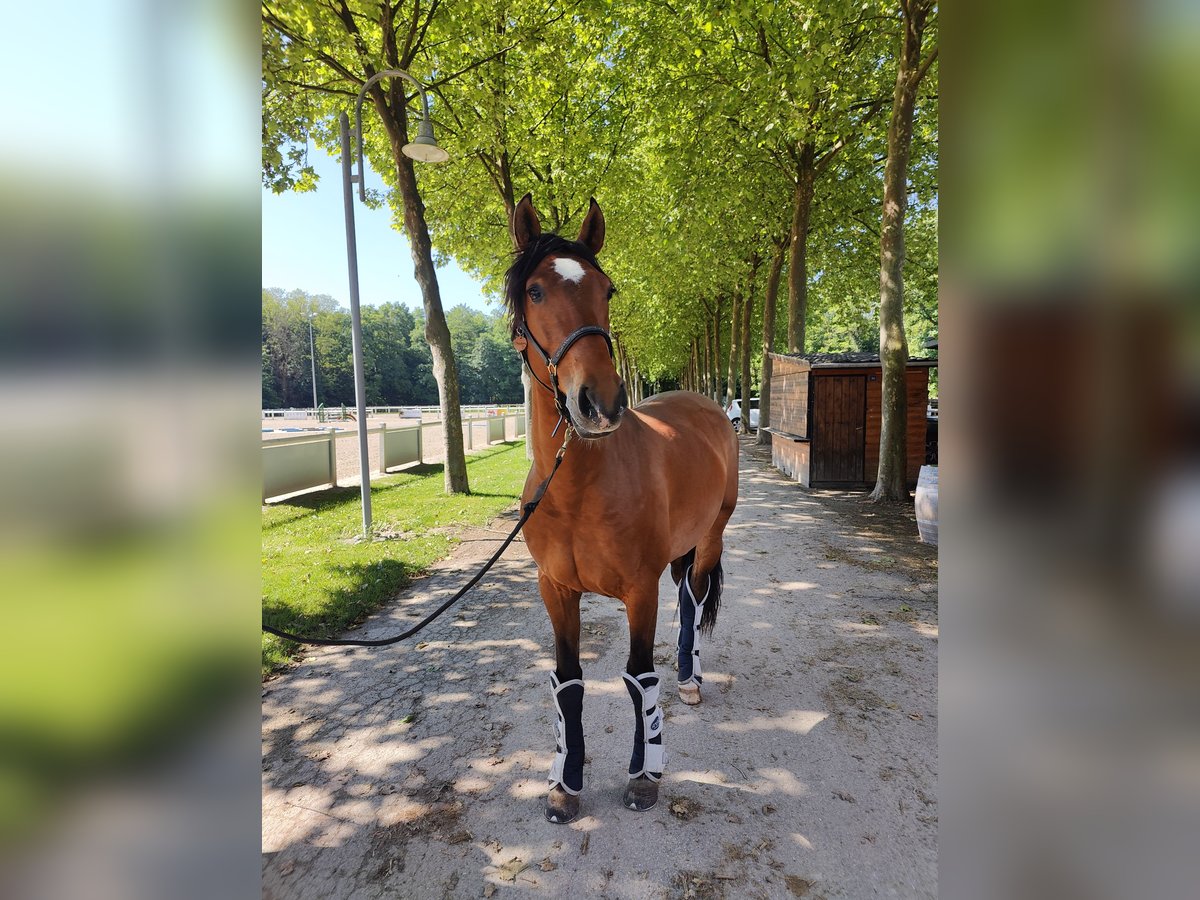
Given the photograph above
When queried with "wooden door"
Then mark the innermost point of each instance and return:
(839, 428)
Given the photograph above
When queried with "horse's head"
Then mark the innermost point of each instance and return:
(555, 290)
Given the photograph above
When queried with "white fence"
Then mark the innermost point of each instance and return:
(407, 411)
(305, 462)
(398, 446)
(298, 463)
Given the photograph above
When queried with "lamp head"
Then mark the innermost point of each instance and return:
(424, 147)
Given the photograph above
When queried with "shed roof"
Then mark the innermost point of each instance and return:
(846, 360)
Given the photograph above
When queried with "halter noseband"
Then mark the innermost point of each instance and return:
(560, 399)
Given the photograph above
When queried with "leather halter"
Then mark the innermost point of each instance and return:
(560, 399)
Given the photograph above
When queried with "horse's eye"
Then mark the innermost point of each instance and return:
(535, 294)
(611, 290)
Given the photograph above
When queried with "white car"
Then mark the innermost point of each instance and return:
(734, 411)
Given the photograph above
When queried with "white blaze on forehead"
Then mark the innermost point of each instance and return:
(568, 270)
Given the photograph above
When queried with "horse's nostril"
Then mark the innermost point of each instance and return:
(587, 406)
(592, 407)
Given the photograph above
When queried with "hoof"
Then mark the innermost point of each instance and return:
(641, 794)
(561, 807)
(689, 694)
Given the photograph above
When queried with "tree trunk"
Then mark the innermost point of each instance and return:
(628, 371)
(717, 352)
(437, 334)
(285, 387)
(747, 316)
(715, 356)
(891, 482)
(507, 192)
(622, 364)
(768, 343)
(735, 341)
(706, 378)
(798, 251)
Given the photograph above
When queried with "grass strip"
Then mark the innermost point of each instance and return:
(318, 578)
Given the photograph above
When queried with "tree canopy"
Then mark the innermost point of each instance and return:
(711, 133)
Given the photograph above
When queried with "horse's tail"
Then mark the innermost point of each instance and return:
(716, 582)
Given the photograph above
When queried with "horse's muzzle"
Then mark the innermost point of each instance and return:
(594, 416)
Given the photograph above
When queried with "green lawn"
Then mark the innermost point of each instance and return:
(317, 579)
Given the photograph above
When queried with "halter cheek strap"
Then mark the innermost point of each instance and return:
(524, 338)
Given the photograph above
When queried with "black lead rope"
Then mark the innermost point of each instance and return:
(526, 512)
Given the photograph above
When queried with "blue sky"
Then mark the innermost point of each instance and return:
(304, 246)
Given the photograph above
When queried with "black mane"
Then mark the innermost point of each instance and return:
(528, 259)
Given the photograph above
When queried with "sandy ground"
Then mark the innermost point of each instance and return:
(810, 770)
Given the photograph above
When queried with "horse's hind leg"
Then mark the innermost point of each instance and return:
(566, 686)
(649, 757)
(700, 587)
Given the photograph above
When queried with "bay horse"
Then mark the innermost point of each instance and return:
(642, 488)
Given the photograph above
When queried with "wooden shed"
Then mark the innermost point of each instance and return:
(826, 416)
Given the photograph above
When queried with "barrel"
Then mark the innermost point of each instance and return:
(927, 504)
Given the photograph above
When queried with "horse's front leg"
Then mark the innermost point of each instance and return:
(566, 686)
(649, 756)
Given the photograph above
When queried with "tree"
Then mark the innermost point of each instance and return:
(498, 367)
(545, 114)
(714, 135)
(747, 320)
(285, 344)
(498, 370)
(768, 341)
(387, 331)
(891, 483)
(335, 357)
(735, 344)
(420, 364)
(466, 325)
(788, 88)
(270, 393)
(316, 57)
(770, 107)
(287, 362)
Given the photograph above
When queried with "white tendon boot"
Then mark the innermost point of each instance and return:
(690, 611)
(566, 771)
(649, 755)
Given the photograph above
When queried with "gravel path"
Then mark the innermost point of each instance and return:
(809, 770)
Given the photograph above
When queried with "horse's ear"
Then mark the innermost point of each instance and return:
(591, 235)
(525, 223)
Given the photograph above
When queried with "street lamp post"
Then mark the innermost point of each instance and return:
(424, 148)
